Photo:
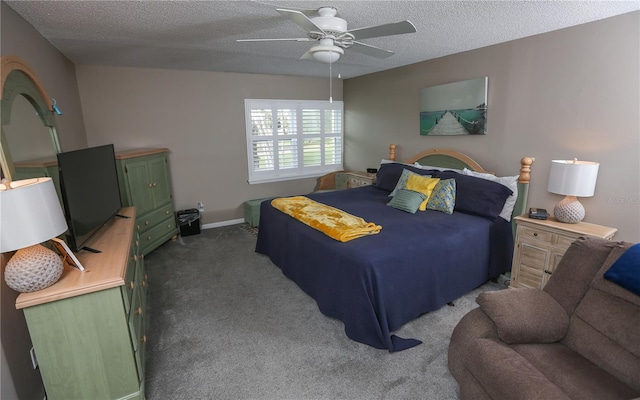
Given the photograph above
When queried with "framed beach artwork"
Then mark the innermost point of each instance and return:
(454, 109)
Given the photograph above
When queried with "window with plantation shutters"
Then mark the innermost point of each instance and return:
(291, 139)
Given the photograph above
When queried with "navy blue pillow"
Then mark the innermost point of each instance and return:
(625, 271)
(389, 174)
(475, 195)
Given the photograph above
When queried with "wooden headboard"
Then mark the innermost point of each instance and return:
(448, 158)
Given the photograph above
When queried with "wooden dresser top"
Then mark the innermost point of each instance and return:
(124, 154)
(581, 228)
(102, 270)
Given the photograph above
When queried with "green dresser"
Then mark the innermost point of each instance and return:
(38, 168)
(145, 183)
(88, 328)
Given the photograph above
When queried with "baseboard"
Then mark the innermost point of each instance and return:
(223, 223)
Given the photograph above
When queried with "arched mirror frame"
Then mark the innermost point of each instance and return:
(18, 78)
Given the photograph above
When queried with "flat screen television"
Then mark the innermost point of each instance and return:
(90, 192)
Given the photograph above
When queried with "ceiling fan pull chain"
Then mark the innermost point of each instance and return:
(330, 83)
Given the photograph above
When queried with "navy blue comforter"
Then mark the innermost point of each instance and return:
(375, 284)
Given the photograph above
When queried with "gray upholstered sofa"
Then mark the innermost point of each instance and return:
(578, 338)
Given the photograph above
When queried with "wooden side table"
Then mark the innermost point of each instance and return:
(357, 179)
(540, 245)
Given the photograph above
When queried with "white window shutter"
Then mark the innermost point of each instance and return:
(291, 139)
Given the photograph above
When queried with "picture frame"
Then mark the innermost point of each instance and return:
(454, 109)
(67, 254)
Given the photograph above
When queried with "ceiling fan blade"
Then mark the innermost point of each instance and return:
(302, 20)
(394, 28)
(307, 56)
(369, 50)
(306, 11)
(277, 40)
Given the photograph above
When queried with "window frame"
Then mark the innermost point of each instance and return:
(296, 134)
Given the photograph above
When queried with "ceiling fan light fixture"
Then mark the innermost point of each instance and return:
(327, 54)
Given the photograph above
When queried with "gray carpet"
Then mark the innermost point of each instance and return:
(224, 323)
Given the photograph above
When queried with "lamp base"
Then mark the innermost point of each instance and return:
(569, 210)
(33, 268)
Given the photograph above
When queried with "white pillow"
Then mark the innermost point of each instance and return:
(417, 164)
(385, 161)
(509, 181)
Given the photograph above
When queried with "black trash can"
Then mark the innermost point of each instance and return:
(189, 222)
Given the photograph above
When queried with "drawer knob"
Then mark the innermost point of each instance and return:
(166, 212)
(535, 234)
(150, 185)
(169, 226)
(143, 339)
(146, 222)
(131, 285)
(139, 310)
(135, 257)
(148, 237)
(546, 271)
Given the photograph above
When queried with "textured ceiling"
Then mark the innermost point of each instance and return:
(201, 35)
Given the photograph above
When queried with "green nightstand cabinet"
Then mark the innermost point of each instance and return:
(145, 183)
(37, 168)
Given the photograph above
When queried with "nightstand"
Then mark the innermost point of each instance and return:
(357, 179)
(540, 245)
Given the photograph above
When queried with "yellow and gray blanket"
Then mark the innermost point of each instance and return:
(331, 221)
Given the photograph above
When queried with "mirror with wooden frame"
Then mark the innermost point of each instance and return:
(28, 138)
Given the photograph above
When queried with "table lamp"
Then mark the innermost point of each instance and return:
(30, 214)
(572, 178)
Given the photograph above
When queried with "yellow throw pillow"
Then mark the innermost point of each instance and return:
(423, 185)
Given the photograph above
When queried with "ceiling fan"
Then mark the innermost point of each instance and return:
(333, 36)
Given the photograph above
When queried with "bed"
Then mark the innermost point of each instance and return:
(416, 264)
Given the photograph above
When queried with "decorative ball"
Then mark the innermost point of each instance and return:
(569, 210)
(33, 268)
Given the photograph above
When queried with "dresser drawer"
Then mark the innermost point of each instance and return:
(356, 180)
(136, 330)
(164, 229)
(564, 242)
(132, 265)
(129, 283)
(536, 234)
(150, 220)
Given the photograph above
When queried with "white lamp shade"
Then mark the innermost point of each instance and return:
(573, 177)
(30, 213)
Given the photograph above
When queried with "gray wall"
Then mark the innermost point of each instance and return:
(199, 116)
(564, 94)
(57, 74)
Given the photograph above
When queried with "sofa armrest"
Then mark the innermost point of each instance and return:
(506, 375)
(474, 325)
(525, 315)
